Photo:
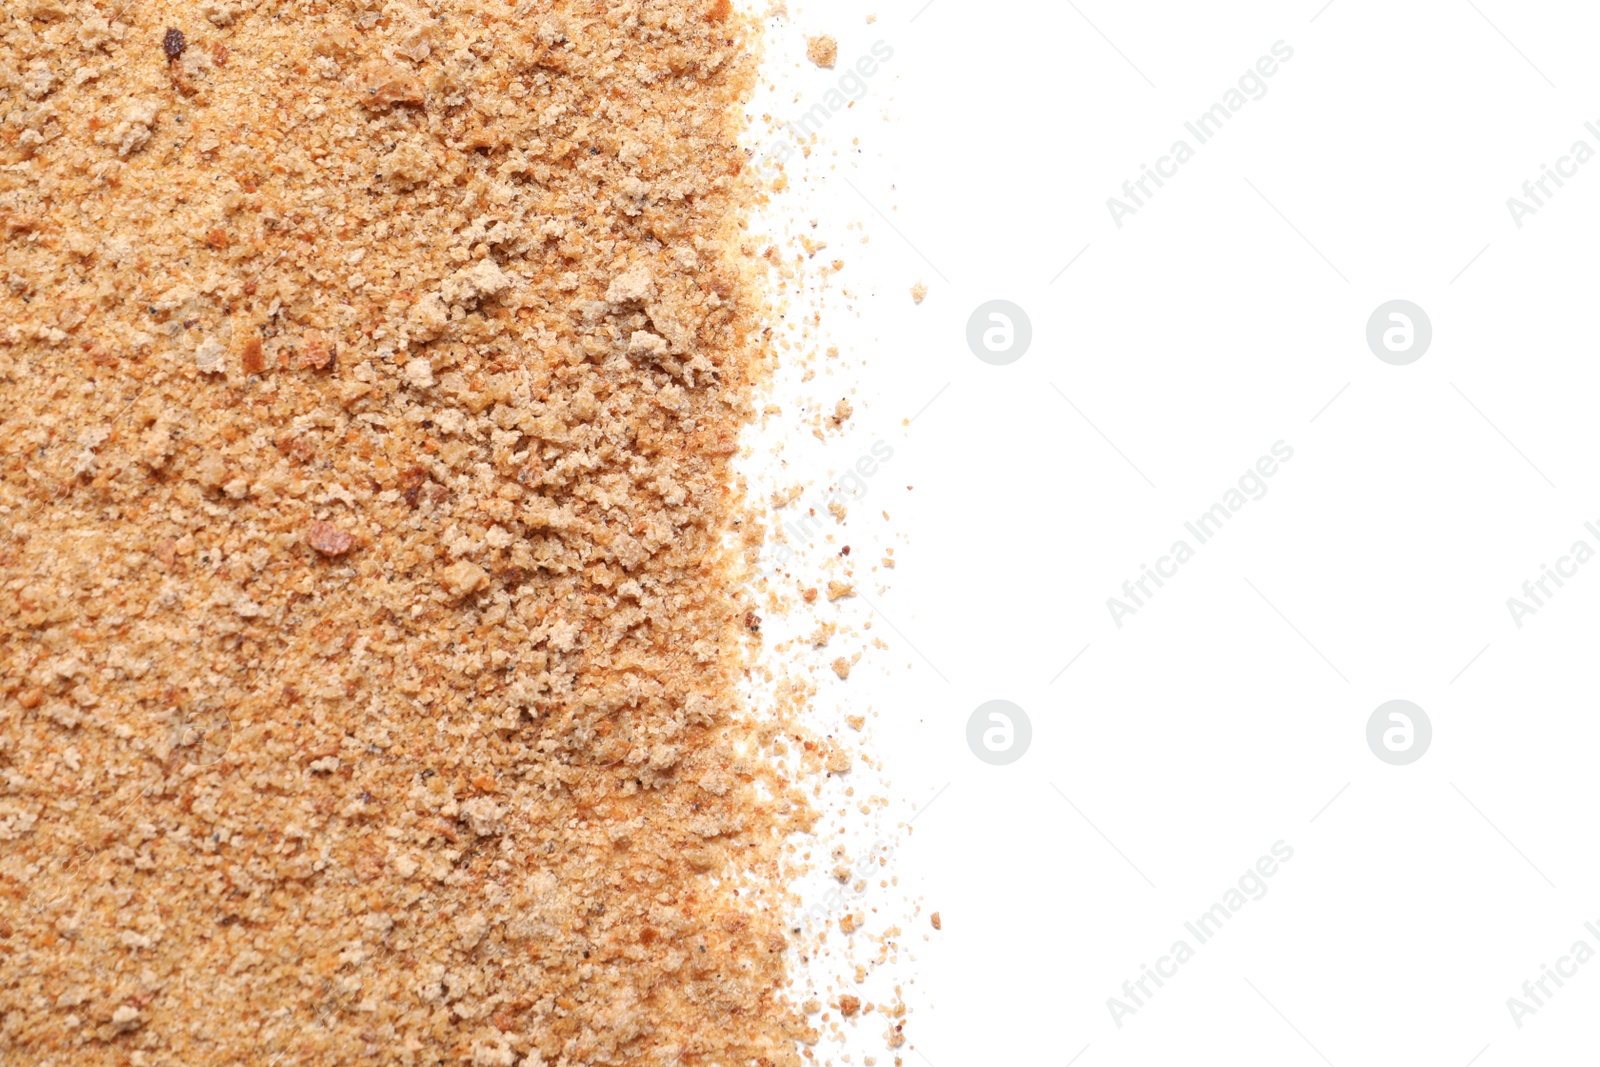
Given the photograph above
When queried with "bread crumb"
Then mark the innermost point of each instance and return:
(934, 919)
(210, 357)
(465, 577)
(919, 292)
(840, 590)
(419, 373)
(328, 539)
(822, 50)
(848, 1005)
(841, 667)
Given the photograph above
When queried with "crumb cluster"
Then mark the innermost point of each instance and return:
(371, 375)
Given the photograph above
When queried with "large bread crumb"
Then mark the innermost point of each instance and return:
(823, 50)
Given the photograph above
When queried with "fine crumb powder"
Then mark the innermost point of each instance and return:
(370, 378)
(823, 50)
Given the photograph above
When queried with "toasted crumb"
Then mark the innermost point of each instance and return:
(841, 667)
(934, 919)
(847, 925)
(919, 292)
(840, 590)
(848, 1005)
(822, 50)
(328, 539)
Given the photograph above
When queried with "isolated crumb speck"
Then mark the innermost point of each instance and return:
(934, 919)
(822, 50)
(919, 292)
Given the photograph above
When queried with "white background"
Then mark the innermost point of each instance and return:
(1226, 714)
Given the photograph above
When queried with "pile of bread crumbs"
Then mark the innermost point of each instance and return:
(371, 372)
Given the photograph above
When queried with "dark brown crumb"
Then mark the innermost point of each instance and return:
(173, 44)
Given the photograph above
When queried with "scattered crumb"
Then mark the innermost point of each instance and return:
(822, 50)
(934, 919)
(919, 292)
